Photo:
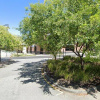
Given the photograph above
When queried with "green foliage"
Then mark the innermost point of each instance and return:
(66, 57)
(70, 69)
(56, 23)
(51, 67)
(83, 26)
(91, 60)
(44, 26)
(8, 41)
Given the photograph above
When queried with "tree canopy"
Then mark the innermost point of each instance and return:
(74, 22)
(7, 40)
(83, 26)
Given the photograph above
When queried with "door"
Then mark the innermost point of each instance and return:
(41, 50)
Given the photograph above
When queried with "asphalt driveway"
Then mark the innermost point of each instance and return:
(22, 80)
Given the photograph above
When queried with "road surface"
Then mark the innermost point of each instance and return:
(22, 80)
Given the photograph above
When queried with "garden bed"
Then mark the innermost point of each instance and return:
(67, 72)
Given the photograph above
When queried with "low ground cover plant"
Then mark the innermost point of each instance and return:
(70, 69)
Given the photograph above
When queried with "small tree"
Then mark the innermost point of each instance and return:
(83, 26)
(44, 19)
(7, 40)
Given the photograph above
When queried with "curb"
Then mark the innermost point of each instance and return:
(55, 86)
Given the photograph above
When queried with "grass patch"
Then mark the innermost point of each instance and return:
(22, 55)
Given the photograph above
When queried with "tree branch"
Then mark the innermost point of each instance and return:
(76, 46)
(87, 47)
(81, 47)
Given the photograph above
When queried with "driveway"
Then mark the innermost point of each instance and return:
(22, 80)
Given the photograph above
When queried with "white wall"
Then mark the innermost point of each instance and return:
(6, 53)
(24, 50)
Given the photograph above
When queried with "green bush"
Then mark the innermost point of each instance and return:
(50, 61)
(70, 69)
(51, 67)
(76, 60)
(66, 57)
(91, 60)
(52, 64)
(93, 70)
(53, 61)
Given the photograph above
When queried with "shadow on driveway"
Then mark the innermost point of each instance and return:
(32, 73)
(7, 62)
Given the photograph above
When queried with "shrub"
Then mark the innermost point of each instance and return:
(51, 67)
(53, 61)
(66, 57)
(69, 68)
(76, 60)
(91, 60)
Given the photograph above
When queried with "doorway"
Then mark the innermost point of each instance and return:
(41, 50)
(35, 49)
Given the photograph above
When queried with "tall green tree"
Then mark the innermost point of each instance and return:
(83, 26)
(8, 41)
(43, 20)
(74, 22)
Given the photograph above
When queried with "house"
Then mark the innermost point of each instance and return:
(35, 49)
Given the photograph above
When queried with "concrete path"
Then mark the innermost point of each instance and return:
(22, 80)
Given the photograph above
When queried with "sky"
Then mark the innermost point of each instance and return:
(13, 11)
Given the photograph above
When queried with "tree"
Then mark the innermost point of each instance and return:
(71, 21)
(43, 20)
(7, 40)
(18, 43)
(83, 26)
(27, 31)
